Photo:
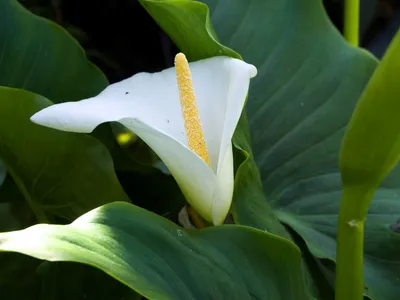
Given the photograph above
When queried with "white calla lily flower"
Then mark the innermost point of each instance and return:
(191, 135)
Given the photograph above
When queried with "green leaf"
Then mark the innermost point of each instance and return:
(58, 173)
(39, 56)
(15, 213)
(141, 249)
(24, 277)
(371, 146)
(298, 107)
(249, 204)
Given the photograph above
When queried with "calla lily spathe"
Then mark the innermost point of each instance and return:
(148, 104)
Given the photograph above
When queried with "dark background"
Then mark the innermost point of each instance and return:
(122, 39)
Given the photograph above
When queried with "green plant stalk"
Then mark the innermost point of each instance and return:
(349, 282)
(352, 21)
(370, 150)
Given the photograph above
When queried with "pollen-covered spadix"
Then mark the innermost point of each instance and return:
(149, 105)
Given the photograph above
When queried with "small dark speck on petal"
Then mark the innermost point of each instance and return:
(126, 93)
(167, 121)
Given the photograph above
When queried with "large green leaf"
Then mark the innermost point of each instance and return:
(371, 145)
(308, 83)
(15, 213)
(161, 260)
(24, 277)
(40, 56)
(58, 173)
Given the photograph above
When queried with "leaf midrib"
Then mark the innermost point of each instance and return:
(39, 213)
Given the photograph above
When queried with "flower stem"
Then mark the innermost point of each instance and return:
(195, 218)
(350, 245)
(351, 21)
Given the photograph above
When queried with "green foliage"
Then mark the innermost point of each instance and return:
(297, 121)
(287, 177)
(370, 150)
(60, 174)
(371, 145)
(140, 249)
(40, 56)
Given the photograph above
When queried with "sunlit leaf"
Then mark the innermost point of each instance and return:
(141, 249)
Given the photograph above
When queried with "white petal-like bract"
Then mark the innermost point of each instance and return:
(148, 104)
